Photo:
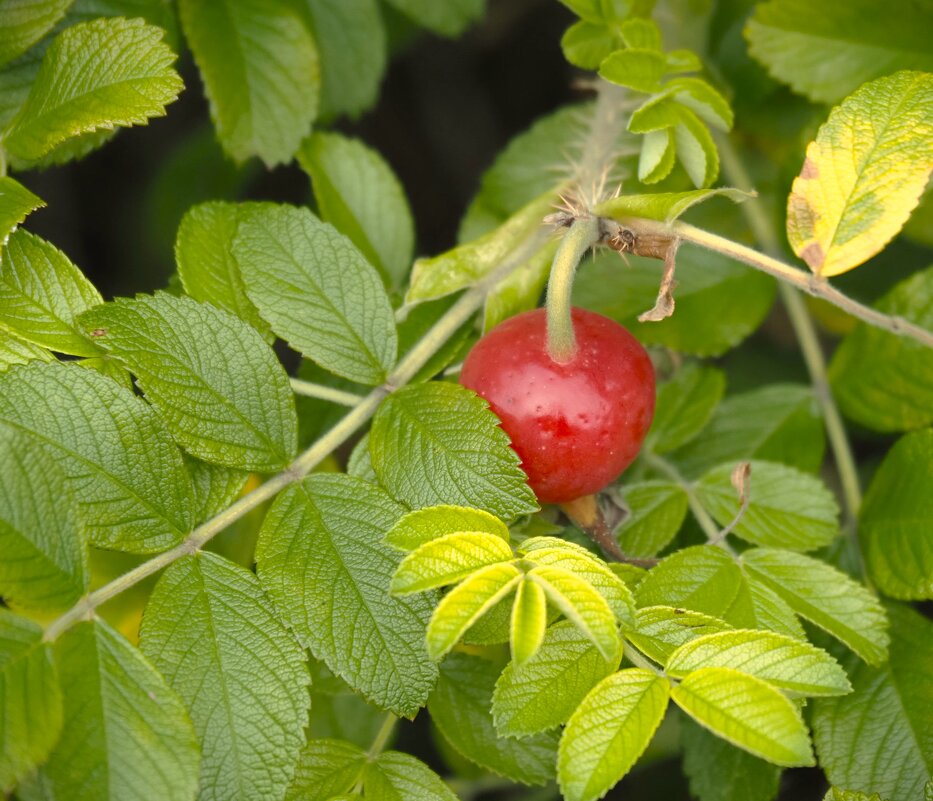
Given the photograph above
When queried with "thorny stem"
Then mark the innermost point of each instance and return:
(580, 237)
(311, 390)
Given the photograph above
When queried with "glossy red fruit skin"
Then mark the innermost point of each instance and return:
(575, 425)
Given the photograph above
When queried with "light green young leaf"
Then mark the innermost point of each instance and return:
(836, 794)
(357, 192)
(41, 294)
(879, 737)
(126, 736)
(322, 559)
(638, 32)
(212, 633)
(423, 525)
(581, 604)
(45, 562)
(609, 732)
(450, 18)
(664, 206)
(16, 204)
(884, 381)
(351, 39)
(30, 699)
(466, 603)
(706, 579)
(543, 692)
(25, 23)
(529, 622)
(438, 443)
(657, 510)
(785, 662)
(123, 468)
(259, 64)
(709, 105)
(684, 406)
(460, 708)
(586, 44)
(394, 776)
(718, 771)
(555, 552)
(786, 508)
(827, 51)
(776, 423)
(661, 630)
(326, 769)
(657, 157)
(206, 265)
(318, 292)
(95, 76)
(863, 174)
(16, 351)
(217, 385)
(897, 520)
(696, 149)
(447, 560)
(747, 712)
(826, 597)
(719, 303)
(215, 487)
(636, 68)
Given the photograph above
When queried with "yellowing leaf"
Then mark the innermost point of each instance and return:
(863, 173)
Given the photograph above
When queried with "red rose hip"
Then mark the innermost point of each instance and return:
(576, 425)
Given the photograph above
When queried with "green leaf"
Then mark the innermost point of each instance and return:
(460, 708)
(211, 632)
(863, 174)
(640, 33)
(123, 468)
(719, 771)
(609, 732)
(658, 156)
(466, 603)
(897, 518)
(786, 507)
(25, 23)
(706, 579)
(719, 303)
(529, 622)
(776, 423)
(215, 487)
(424, 525)
(657, 510)
(95, 76)
(775, 658)
(394, 776)
(684, 406)
(664, 206)
(879, 736)
(438, 443)
(543, 691)
(206, 265)
(586, 44)
(661, 630)
(259, 64)
(326, 768)
(228, 401)
(41, 294)
(45, 562)
(835, 794)
(15, 351)
(447, 560)
(322, 559)
(126, 734)
(696, 149)
(709, 105)
(450, 18)
(824, 596)
(317, 291)
(16, 204)
(357, 192)
(30, 699)
(634, 68)
(884, 381)
(747, 712)
(828, 51)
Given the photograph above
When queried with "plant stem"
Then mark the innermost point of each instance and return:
(634, 656)
(382, 737)
(300, 387)
(580, 237)
(805, 331)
